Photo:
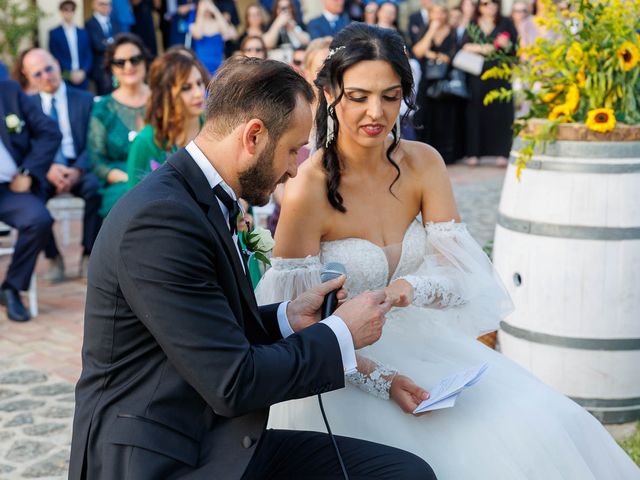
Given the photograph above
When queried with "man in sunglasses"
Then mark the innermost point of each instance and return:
(70, 172)
(28, 141)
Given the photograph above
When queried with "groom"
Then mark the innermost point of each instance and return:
(180, 365)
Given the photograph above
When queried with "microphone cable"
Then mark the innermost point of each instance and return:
(333, 440)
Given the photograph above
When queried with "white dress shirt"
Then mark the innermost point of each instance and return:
(8, 167)
(331, 18)
(335, 323)
(64, 124)
(71, 32)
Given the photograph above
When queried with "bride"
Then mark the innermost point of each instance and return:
(355, 201)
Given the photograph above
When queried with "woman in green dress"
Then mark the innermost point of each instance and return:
(116, 118)
(174, 112)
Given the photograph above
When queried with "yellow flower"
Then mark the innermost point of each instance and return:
(575, 53)
(601, 120)
(629, 55)
(551, 95)
(573, 98)
(581, 78)
(560, 111)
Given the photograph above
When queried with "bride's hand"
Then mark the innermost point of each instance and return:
(399, 293)
(407, 394)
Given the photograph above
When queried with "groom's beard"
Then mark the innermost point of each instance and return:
(259, 180)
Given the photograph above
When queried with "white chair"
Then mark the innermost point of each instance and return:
(7, 232)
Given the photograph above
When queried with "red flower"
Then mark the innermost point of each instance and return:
(505, 35)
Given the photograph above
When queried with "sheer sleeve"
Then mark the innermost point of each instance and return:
(457, 273)
(289, 277)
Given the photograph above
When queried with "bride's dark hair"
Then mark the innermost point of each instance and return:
(353, 44)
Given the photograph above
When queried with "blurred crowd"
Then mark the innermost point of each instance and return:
(101, 107)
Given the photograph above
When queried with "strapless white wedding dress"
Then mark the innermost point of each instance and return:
(507, 426)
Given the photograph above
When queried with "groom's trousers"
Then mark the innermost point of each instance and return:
(289, 454)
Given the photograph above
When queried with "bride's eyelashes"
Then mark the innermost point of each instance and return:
(388, 98)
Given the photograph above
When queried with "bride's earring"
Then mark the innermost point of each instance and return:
(398, 127)
(331, 129)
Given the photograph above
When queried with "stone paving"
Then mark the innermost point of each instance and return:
(40, 360)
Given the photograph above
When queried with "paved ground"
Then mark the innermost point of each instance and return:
(40, 361)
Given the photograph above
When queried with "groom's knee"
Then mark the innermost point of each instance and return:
(414, 468)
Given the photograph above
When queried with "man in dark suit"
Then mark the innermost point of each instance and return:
(29, 142)
(101, 30)
(419, 22)
(331, 21)
(70, 171)
(70, 46)
(179, 363)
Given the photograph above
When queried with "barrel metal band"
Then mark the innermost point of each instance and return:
(550, 165)
(609, 344)
(607, 402)
(568, 231)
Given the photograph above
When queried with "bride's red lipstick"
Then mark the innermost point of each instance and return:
(373, 129)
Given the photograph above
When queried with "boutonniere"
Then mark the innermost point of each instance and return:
(132, 135)
(258, 242)
(13, 123)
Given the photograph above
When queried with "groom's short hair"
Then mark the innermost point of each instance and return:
(246, 88)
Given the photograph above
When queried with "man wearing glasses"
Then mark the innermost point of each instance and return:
(101, 30)
(28, 141)
(70, 46)
(70, 171)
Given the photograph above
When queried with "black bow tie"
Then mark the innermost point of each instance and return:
(230, 204)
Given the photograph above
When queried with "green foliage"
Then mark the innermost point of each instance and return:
(632, 446)
(18, 20)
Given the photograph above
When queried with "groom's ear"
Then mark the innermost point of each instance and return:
(254, 135)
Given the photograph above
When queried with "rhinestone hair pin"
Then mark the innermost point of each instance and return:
(333, 51)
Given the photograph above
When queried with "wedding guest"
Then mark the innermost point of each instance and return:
(70, 172)
(437, 116)
(297, 60)
(370, 15)
(101, 30)
(143, 26)
(28, 142)
(284, 30)
(71, 47)
(523, 21)
(388, 15)
(122, 15)
(179, 21)
(4, 71)
(255, 22)
(419, 22)
(174, 112)
(253, 47)
(210, 31)
(18, 75)
(488, 129)
(117, 117)
(331, 21)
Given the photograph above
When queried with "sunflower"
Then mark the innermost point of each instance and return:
(581, 78)
(551, 95)
(629, 55)
(563, 111)
(572, 99)
(601, 120)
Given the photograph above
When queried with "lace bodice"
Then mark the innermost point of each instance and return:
(371, 267)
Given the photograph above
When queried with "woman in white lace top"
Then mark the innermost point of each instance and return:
(355, 201)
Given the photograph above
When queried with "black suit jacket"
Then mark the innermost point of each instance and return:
(99, 43)
(36, 144)
(417, 27)
(179, 363)
(79, 105)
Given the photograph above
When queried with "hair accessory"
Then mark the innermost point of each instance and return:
(331, 128)
(333, 51)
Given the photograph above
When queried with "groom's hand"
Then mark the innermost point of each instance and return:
(407, 394)
(364, 316)
(305, 309)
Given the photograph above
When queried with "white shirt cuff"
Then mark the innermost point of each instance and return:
(283, 321)
(345, 341)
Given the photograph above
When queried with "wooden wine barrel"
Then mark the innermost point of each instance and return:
(567, 246)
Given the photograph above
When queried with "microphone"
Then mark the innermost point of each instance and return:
(330, 271)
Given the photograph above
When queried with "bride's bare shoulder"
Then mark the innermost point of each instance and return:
(421, 158)
(310, 182)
